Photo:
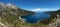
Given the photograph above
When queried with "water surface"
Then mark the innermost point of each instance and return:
(34, 18)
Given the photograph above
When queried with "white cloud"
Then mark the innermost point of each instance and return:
(43, 9)
(10, 4)
(38, 9)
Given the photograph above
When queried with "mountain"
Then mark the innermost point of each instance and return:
(9, 15)
(53, 17)
(53, 13)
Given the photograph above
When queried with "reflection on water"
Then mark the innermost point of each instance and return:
(34, 18)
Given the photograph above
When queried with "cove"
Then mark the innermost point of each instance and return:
(34, 18)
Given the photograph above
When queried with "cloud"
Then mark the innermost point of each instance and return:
(43, 9)
(38, 9)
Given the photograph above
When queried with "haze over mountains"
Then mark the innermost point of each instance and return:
(43, 9)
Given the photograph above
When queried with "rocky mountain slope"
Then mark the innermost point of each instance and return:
(54, 20)
(9, 15)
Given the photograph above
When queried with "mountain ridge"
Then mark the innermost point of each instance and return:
(9, 14)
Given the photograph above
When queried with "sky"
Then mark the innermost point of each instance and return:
(35, 5)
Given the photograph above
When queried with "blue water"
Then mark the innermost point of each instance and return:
(34, 18)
